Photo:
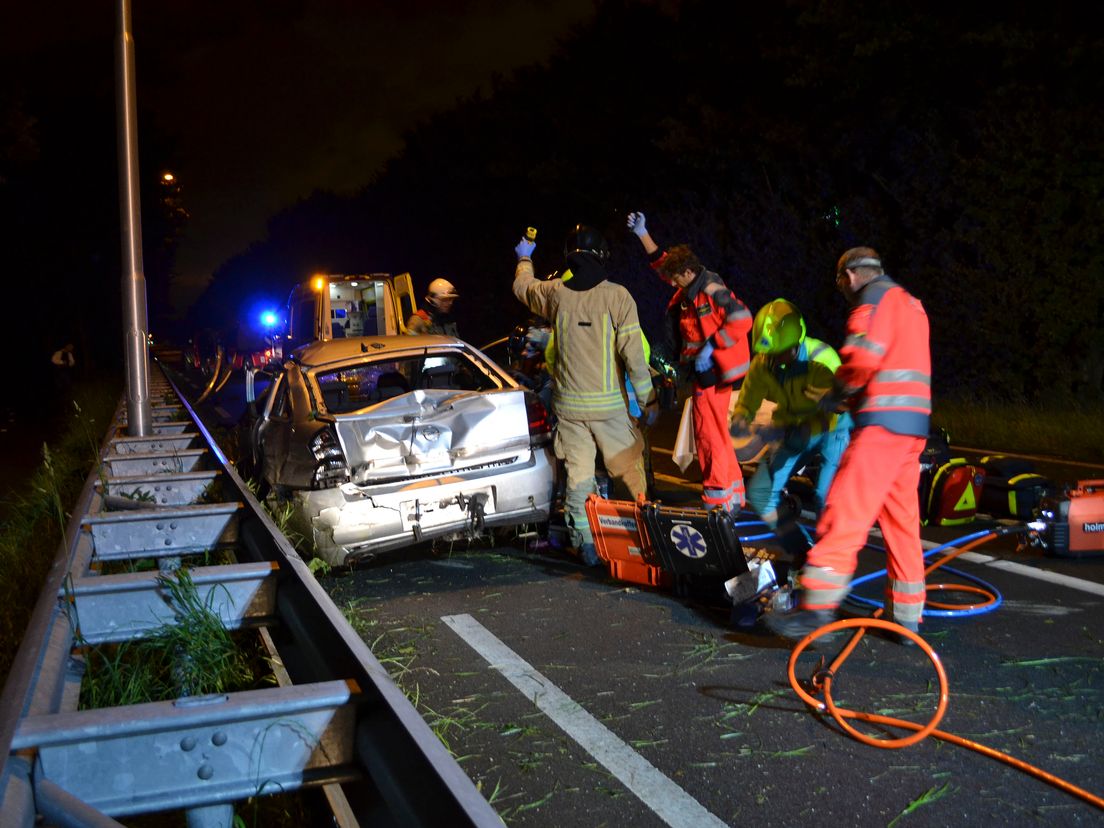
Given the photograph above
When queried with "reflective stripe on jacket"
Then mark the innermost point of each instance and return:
(598, 340)
(886, 360)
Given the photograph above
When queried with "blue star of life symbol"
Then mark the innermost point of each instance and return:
(689, 541)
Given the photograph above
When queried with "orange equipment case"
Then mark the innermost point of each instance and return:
(620, 539)
(1076, 521)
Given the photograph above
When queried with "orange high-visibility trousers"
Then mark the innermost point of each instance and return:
(722, 477)
(877, 480)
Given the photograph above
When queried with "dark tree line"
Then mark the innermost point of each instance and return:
(964, 143)
(59, 209)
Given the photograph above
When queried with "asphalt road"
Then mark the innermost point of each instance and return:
(575, 699)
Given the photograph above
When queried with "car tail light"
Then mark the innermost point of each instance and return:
(332, 469)
(540, 424)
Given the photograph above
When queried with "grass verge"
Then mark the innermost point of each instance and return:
(1071, 431)
(32, 520)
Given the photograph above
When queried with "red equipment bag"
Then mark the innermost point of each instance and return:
(953, 494)
(1075, 521)
(621, 541)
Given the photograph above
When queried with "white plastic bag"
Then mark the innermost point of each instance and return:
(685, 450)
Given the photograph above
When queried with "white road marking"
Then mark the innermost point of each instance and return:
(1037, 574)
(1016, 568)
(670, 802)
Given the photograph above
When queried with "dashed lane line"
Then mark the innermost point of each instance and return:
(669, 802)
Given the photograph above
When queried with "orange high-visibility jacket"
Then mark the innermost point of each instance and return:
(886, 361)
(708, 310)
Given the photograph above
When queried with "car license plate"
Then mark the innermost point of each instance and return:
(430, 513)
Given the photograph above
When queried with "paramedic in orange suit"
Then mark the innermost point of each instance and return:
(885, 380)
(713, 325)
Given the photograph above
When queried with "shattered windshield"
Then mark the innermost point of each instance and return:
(353, 387)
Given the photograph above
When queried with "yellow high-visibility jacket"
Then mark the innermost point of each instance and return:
(795, 389)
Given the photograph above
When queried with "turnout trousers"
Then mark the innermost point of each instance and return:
(577, 442)
(722, 477)
(877, 480)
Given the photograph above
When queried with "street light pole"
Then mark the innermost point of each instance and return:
(139, 416)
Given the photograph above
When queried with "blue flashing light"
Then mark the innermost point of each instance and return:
(269, 319)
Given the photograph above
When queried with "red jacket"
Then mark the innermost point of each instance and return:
(886, 362)
(708, 310)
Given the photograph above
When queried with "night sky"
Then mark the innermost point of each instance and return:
(262, 103)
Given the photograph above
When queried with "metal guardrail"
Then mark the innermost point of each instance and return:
(335, 721)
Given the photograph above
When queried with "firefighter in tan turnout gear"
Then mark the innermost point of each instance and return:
(598, 342)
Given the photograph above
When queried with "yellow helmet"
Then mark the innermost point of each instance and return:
(778, 327)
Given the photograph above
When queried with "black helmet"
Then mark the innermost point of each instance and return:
(584, 239)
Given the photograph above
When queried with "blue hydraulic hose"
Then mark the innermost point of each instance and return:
(937, 613)
(746, 538)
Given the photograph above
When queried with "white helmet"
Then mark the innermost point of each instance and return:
(441, 289)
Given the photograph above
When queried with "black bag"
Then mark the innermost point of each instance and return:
(1012, 488)
(936, 454)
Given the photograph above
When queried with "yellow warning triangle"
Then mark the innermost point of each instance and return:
(966, 502)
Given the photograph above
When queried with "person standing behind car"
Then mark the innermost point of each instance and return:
(598, 340)
(713, 325)
(436, 317)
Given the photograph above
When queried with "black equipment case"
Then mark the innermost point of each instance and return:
(694, 542)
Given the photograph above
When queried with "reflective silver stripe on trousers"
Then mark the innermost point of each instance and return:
(907, 587)
(829, 576)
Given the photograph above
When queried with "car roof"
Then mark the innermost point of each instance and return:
(346, 348)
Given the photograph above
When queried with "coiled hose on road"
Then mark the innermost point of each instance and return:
(821, 680)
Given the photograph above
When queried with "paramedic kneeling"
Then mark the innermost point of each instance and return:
(885, 379)
(795, 372)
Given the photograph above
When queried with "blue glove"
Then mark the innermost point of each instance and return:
(650, 413)
(704, 360)
(524, 248)
(636, 224)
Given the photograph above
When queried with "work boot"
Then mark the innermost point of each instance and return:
(797, 625)
(589, 555)
(904, 640)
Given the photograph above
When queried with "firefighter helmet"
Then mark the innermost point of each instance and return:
(584, 239)
(441, 289)
(778, 327)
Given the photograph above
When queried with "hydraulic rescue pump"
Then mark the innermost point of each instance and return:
(1071, 524)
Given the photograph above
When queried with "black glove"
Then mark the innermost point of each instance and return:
(833, 402)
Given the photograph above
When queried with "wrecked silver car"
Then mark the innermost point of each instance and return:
(385, 441)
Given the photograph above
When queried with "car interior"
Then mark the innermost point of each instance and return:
(352, 389)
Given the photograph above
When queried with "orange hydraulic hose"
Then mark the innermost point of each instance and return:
(821, 682)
